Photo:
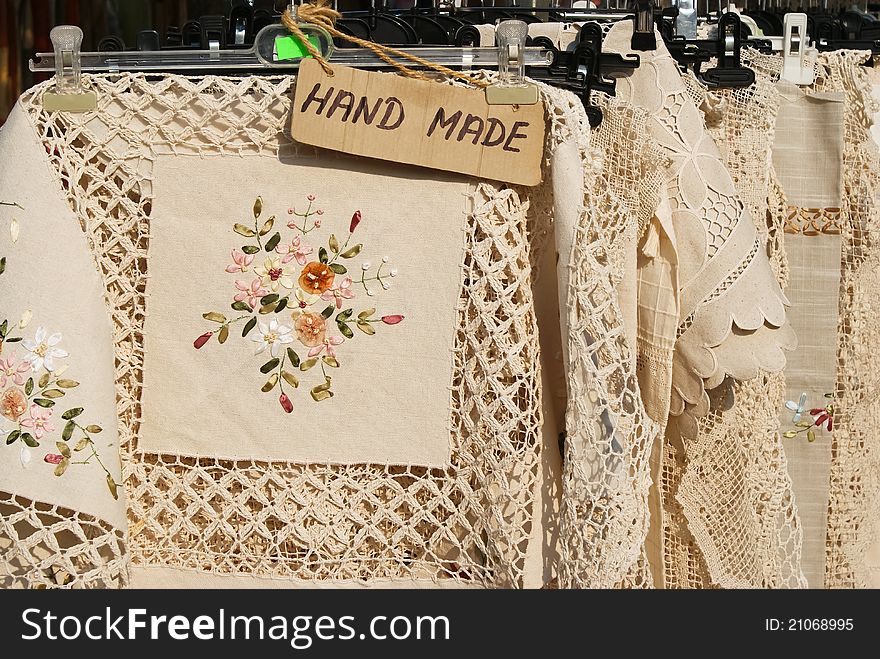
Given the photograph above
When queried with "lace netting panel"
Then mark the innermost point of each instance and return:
(466, 523)
(46, 546)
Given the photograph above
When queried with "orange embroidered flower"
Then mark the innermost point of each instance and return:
(310, 329)
(13, 404)
(316, 278)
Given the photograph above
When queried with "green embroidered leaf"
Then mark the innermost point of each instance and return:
(29, 386)
(290, 379)
(269, 299)
(322, 391)
(293, 357)
(307, 364)
(258, 207)
(365, 327)
(351, 252)
(3, 327)
(328, 311)
(214, 316)
(242, 230)
(44, 380)
(330, 361)
(789, 434)
(248, 326)
(272, 243)
(67, 384)
(14, 339)
(268, 308)
(62, 467)
(2, 265)
(345, 330)
(804, 424)
(241, 306)
(67, 433)
(281, 306)
(53, 393)
(366, 314)
(111, 485)
(223, 335)
(333, 243)
(344, 314)
(267, 226)
(81, 444)
(270, 383)
(322, 255)
(250, 249)
(72, 413)
(338, 268)
(11, 437)
(811, 435)
(44, 402)
(269, 365)
(28, 439)
(63, 449)
(94, 429)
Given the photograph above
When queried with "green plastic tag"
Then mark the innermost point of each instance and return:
(290, 47)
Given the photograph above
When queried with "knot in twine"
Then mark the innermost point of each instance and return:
(324, 16)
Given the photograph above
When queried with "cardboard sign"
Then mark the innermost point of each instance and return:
(387, 116)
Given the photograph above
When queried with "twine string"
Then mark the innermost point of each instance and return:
(321, 14)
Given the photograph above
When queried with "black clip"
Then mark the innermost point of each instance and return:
(241, 24)
(213, 32)
(643, 32)
(730, 72)
(585, 69)
(726, 49)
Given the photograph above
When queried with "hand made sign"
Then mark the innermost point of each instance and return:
(386, 116)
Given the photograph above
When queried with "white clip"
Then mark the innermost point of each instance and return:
(69, 96)
(796, 66)
(512, 88)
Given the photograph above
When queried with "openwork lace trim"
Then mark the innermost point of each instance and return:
(469, 522)
(46, 546)
(813, 221)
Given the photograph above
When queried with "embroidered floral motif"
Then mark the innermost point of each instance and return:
(310, 283)
(32, 385)
(820, 416)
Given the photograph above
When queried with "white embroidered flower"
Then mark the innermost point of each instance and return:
(24, 456)
(272, 336)
(41, 352)
(274, 273)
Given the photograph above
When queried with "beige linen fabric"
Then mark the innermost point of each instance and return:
(813, 289)
(47, 522)
(391, 402)
(808, 148)
(50, 273)
(808, 161)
